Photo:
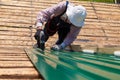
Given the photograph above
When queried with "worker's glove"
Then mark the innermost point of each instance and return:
(56, 47)
(39, 36)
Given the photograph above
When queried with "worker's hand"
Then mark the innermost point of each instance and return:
(56, 47)
(38, 25)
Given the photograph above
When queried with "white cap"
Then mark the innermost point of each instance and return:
(76, 15)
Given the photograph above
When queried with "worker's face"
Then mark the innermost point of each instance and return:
(65, 18)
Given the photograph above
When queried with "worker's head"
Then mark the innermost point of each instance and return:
(76, 15)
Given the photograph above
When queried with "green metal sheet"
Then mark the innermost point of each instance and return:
(65, 65)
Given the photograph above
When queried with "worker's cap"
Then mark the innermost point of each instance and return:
(76, 15)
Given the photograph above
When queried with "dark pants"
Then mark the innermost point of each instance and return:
(62, 28)
(62, 33)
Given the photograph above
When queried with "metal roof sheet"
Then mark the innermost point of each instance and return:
(65, 65)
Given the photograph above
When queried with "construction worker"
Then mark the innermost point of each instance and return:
(64, 18)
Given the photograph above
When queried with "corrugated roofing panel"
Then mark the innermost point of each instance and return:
(64, 65)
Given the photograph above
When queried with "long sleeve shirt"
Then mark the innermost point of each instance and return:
(44, 15)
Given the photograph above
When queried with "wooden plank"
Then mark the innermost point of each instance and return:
(16, 8)
(108, 17)
(12, 50)
(18, 73)
(16, 46)
(16, 29)
(95, 32)
(15, 64)
(16, 3)
(15, 38)
(11, 42)
(13, 20)
(106, 9)
(17, 12)
(107, 6)
(15, 33)
(14, 24)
